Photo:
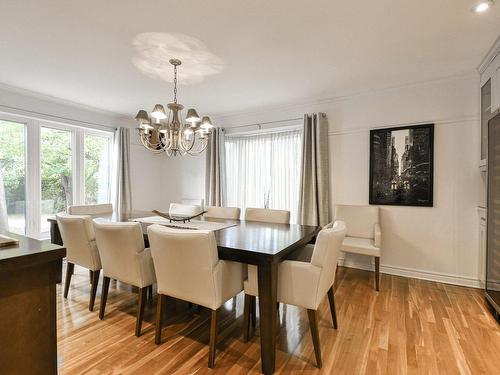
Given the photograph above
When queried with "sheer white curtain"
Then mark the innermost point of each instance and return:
(263, 170)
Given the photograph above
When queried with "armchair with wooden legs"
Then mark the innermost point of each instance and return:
(305, 284)
(77, 233)
(188, 268)
(124, 258)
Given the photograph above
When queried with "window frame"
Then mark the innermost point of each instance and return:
(32, 164)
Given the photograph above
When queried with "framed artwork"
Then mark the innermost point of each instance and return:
(402, 165)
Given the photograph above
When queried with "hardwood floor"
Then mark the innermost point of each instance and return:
(409, 327)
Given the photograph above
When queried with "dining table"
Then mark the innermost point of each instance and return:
(261, 244)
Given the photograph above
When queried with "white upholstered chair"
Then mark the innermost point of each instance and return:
(188, 268)
(267, 216)
(194, 202)
(179, 209)
(305, 284)
(124, 258)
(230, 213)
(364, 235)
(77, 233)
(92, 209)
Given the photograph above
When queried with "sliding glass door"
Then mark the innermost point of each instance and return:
(45, 167)
(13, 176)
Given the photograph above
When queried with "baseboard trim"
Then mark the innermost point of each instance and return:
(414, 273)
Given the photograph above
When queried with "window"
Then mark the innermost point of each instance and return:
(97, 160)
(56, 170)
(45, 167)
(12, 176)
(263, 170)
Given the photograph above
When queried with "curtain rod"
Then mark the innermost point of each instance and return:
(259, 124)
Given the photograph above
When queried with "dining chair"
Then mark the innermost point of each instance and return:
(266, 215)
(77, 233)
(364, 234)
(124, 258)
(194, 202)
(179, 209)
(305, 284)
(215, 212)
(91, 209)
(188, 268)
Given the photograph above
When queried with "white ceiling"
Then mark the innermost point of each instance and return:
(263, 52)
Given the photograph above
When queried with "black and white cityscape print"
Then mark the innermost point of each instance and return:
(401, 165)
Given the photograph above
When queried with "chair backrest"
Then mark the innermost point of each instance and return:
(77, 232)
(267, 216)
(215, 212)
(359, 220)
(183, 209)
(185, 263)
(119, 244)
(194, 202)
(326, 253)
(91, 209)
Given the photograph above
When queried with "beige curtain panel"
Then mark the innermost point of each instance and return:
(215, 169)
(123, 195)
(315, 180)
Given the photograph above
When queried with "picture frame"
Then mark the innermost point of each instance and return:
(402, 166)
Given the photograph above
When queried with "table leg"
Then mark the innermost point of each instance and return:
(268, 290)
(55, 238)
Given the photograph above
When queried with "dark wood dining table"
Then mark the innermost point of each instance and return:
(264, 245)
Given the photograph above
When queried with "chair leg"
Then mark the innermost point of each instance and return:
(69, 272)
(331, 299)
(141, 301)
(150, 292)
(253, 312)
(93, 288)
(246, 317)
(213, 339)
(91, 275)
(377, 273)
(159, 307)
(313, 324)
(104, 296)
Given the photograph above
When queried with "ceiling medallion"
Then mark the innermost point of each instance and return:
(168, 133)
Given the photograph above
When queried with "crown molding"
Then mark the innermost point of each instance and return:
(64, 102)
(333, 99)
(490, 56)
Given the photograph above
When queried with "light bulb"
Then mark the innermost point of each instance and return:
(483, 6)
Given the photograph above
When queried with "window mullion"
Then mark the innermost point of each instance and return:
(33, 182)
(78, 167)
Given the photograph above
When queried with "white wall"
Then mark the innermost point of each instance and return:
(438, 243)
(146, 168)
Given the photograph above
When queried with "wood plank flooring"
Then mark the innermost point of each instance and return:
(409, 327)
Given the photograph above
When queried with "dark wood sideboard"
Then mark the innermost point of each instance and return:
(28, 332)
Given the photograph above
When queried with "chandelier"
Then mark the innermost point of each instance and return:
(168, 133)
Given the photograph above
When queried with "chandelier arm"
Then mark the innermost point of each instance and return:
(164, 141)
(205, 144)
(148, 145)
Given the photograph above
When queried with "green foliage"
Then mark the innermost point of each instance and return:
(56, 166)
(12, 160)
(56, 162)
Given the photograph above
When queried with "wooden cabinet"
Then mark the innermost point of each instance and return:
(28, 335)
(489, 69)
